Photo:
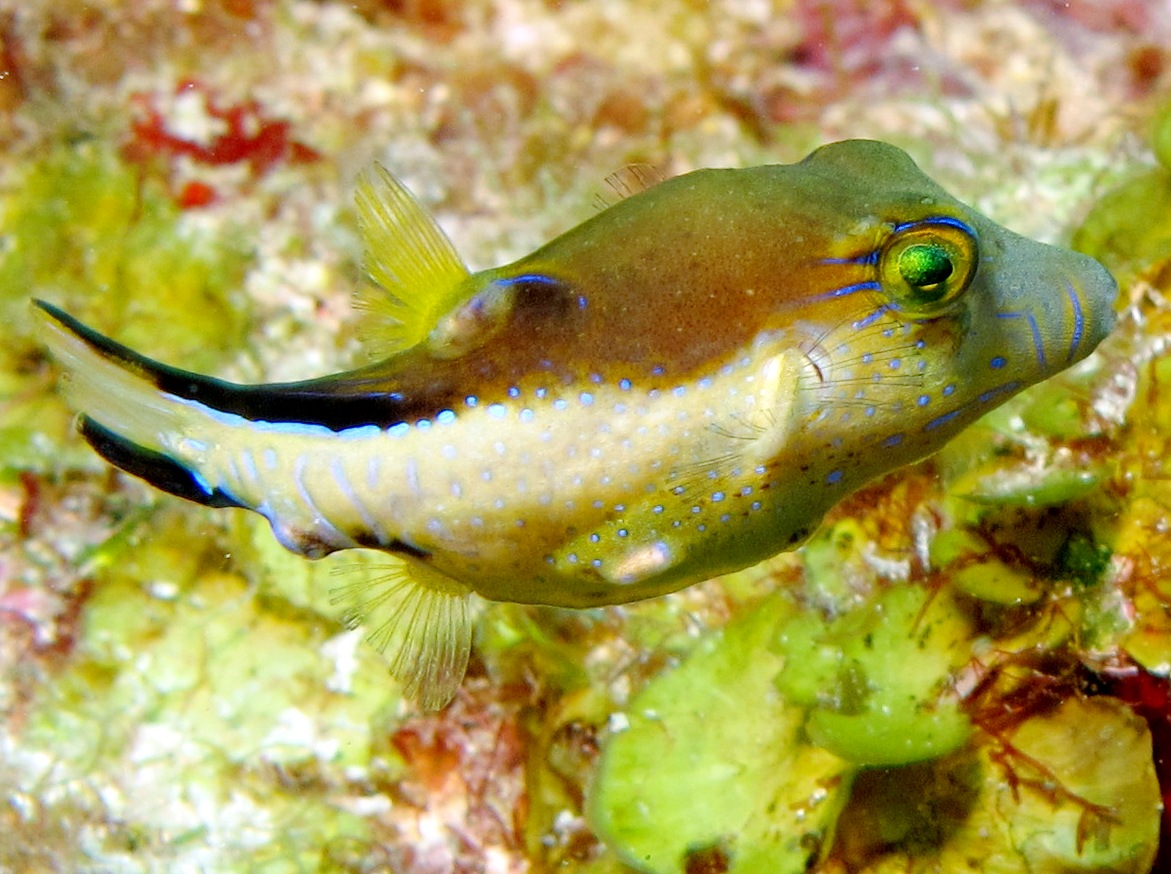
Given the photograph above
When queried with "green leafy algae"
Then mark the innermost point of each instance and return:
(1129, 229)
(878, 680)
(708, 764)
(1070, 790)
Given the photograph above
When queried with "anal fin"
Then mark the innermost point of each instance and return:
(421, 620)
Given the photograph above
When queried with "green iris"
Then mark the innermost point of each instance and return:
(924, 265)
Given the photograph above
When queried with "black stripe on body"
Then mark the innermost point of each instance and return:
(161, 471)
(344, 401)
(400, 389)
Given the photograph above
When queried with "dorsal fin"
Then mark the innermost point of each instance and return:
(627, 182)
(414, 273)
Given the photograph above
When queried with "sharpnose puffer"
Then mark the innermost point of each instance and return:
(677, 388)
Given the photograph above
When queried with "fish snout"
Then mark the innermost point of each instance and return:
(1085, 313)
(1053, 309)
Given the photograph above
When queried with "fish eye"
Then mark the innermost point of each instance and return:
(925, 266)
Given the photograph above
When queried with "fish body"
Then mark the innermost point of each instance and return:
(679, 387)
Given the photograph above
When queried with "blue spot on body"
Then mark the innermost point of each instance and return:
(586, 398)
(997, 362)
(949, 389)
(893, 440)
(445, 417)
(834, 477)
(560, 404)
(398, 429)
(896, 363)
(624, 384)
(496, 411)
(513, 391)
(526, 415)
(423, 424)
(622, 532)
(717, 496)
(923, 400)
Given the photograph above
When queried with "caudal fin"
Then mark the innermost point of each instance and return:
(127, 415)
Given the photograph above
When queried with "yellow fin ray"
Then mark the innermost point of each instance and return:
(414, 272)
(112, 390)
(626, 182)
(422, 621)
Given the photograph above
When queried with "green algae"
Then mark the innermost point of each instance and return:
(1129, 228)
(878, 680)
(182, 677)
(708, 764)
(81, 226)
(1070, 790)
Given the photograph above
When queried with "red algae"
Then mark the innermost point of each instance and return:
(248, 137)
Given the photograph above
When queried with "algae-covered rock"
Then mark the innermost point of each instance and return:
(83, 228)
(1129, 229)
(1065, 791)
(878, 680)
(709, 765)
(181, 677)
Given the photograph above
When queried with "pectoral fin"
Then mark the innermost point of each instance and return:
(422, 621)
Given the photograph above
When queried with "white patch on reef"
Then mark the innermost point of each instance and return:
(342, 650)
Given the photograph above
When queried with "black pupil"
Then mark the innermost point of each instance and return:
(925, 265)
